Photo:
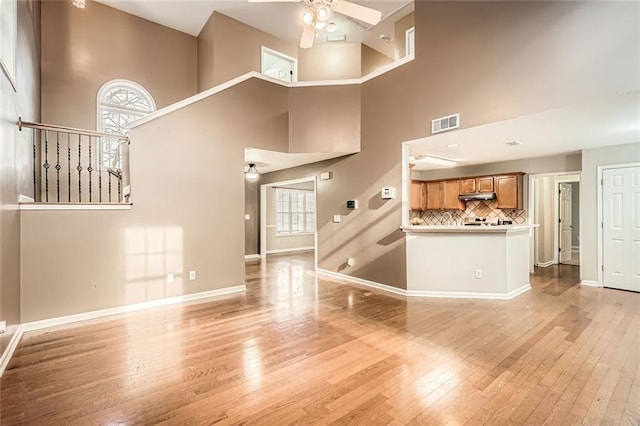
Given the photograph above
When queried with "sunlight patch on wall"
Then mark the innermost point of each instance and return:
(152, 253)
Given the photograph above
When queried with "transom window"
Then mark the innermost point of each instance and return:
(119, 103)
(295, 211)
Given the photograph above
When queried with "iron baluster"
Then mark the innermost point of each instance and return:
(58, 167)
(46, 165)
(69, 166)
(79, 168)
(90, 169)
(99, 147)
(35, 168)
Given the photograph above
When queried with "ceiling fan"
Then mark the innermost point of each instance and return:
(320, 10)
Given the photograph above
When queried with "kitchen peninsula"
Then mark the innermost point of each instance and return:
(487, 262)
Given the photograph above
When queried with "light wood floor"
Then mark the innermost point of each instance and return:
(300, 349)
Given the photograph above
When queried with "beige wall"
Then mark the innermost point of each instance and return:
(400, 29)
(228, 48)
(543, 217)
(330, 61)
(591, 160)
(15, 164)
(325, 119)
(252, 208)
(372, 59)
(194, 223)
(83, 49)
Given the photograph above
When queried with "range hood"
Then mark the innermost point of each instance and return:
(478, 196)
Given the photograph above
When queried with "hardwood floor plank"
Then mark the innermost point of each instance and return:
(298, 349)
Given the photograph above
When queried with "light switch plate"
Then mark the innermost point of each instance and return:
(336, 218)
(192, 275)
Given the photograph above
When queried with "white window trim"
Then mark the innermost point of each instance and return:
(294, 61)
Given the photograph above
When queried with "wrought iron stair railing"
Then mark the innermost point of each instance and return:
(76, 166)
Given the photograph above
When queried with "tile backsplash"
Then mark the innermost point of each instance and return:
(475, 209)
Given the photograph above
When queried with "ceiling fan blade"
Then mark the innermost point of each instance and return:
(308, 36)
(361, 13)
(273, 1)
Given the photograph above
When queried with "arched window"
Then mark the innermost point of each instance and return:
(119, 103)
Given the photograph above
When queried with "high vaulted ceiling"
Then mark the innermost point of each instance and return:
(283, 20)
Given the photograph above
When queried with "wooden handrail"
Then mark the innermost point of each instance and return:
(72, 130)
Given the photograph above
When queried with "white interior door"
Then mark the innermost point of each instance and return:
(621, 228)
(565, 222)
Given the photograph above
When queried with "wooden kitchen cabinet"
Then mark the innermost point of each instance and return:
(476, 185)
(434, 196)
(443, 195)
(484, 184)
(509, 191)
(418, 195)
(450, 192)
(468, 186)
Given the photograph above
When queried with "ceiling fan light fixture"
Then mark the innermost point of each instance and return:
(323, 13)
(252, 172)
(331, 27)
(307, 17)
(80, 4)
(320, 25)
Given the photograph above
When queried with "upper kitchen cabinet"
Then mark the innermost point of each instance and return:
(476, 185)
(450, 192)
(418, 195)
(509, 191)
(443, 195)
(484, 184)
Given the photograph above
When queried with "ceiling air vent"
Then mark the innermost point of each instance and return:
(445, 123)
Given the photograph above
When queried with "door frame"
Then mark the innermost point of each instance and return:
(556, 214)
(263, 214)
(531, 209)
(600, 213)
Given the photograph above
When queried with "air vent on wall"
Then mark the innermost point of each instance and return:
(336, 37)
(445, 123)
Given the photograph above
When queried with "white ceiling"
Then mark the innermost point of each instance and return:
(270, 161)
(282, 20)
(604, 122)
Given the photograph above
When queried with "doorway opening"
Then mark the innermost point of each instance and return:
(554, 205)
(278, 65)
(288, 217)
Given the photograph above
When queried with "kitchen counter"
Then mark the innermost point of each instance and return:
(487, 262)
(467, 229)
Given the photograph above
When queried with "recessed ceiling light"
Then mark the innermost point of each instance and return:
(513, 143)
(452, 145)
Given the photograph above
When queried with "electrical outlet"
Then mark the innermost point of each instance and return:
(192, 275)
(478, 274)
(3, 327)
(169, 278)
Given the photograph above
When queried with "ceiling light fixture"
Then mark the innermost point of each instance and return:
(307, 17)
(252, 172)
(385, 38)
(80, 4)
(331, 27)
(432, 159)
(322, 13)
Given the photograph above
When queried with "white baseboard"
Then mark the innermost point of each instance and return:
(290, 250)
(421, 293)
(589, 283)
(252, 257)
(546, 264)
(11, 347)
(470, 295)
(67, 319)
(366, 283)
